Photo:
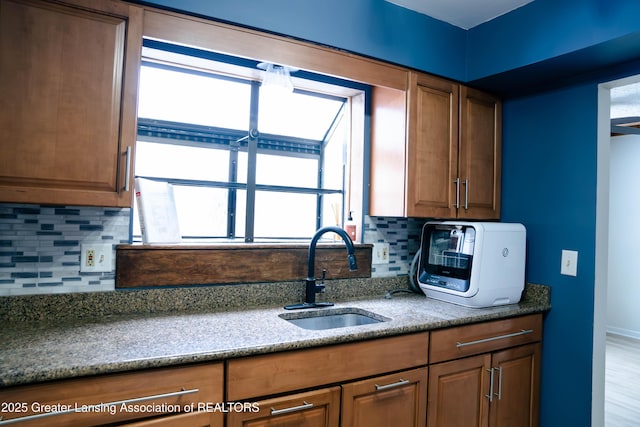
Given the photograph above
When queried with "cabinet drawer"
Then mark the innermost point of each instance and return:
(193, 419)
(115, 398)
(453, 343)
(282, 372)
(312, 408)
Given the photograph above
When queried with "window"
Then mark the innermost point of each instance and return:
(244, 165)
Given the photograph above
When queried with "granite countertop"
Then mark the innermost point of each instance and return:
(42, 350)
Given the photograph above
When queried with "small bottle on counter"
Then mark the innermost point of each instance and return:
(350, 226)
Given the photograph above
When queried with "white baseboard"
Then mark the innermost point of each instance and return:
(623, 332)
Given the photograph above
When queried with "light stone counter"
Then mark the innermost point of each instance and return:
(41, 350)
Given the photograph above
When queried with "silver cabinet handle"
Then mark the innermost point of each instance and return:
(457, 183)
(498, 337)
(499, 393)
(466, 194)
(80, 408)
(302, 407)
(392, 385)
(490, 395)
(127, 170)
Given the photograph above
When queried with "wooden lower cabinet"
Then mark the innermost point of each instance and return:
(156, 397)
(375, 383)
(484, 375)
(195, 419)
(516, 400)
(317, 408)
(499, 389)
(456, 393)
(398, 400)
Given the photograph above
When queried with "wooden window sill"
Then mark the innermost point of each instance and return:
(140, 265)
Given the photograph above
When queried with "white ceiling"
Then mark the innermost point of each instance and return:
(462, 13)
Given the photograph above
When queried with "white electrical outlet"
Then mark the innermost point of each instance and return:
(380, 253)
(569, 266)
(96, 257)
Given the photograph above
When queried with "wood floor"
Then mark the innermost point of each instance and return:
(622, 382)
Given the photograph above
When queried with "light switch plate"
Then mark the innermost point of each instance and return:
(569, 266)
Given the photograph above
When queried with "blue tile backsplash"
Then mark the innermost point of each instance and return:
(40, 246)
(403, 236)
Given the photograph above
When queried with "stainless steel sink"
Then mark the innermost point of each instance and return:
(333, 318)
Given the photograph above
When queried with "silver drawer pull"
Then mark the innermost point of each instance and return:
(499, 337)
(466, 194)
(392, 385)
(490, 395)
(97, 406)
(302, 407)
(127, 171)
(499, 394)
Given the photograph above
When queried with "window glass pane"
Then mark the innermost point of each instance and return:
(331, 210)
(241, 213)
(335, 154)
(202, 211)
(243, 160)
(285, 214)
(287, 171)
(190, 96)
(296, 114)
(193, 98)
(181, 161)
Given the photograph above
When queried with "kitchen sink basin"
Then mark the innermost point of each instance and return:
(333, 318)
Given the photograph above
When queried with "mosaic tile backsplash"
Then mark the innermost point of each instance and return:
(403, 236)
(40, 246)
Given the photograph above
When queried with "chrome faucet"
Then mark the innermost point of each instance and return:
(312, 288)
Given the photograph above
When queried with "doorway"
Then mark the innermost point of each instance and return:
(606, 98)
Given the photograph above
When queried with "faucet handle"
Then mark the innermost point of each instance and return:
(321, 287)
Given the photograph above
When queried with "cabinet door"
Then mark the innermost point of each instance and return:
(480, 154)
(433, 147)
(194, 419)
(318, 408)
(120, 398)
(388, 174)
(516, 387)
(68, 79)
(397, 400)
(458, 393)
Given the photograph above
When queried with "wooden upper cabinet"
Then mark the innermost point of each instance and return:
(435, 151)
(432, 147)
(387, 178)
(480, 154)
(68, 78)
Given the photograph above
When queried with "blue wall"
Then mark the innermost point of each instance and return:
(373, 28)
(549, 184)
(545, 29)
